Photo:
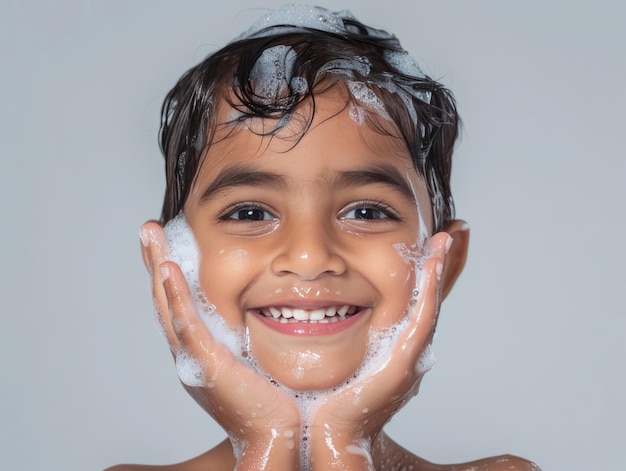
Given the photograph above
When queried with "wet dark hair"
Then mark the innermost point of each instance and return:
(189, 113)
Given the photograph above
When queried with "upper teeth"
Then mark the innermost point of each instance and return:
(308, 315)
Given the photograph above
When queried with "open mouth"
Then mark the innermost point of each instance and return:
(325, 315)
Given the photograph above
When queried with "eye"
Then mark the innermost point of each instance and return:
(247, 212)
(365, 213)
(369, 211)
(251, 215)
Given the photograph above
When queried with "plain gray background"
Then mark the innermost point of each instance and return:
(530, 350)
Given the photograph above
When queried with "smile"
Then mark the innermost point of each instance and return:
(319, 321)
(321, 315)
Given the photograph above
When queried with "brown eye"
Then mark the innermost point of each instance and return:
(366, 213)
(248, 213)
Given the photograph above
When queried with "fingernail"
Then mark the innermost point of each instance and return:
(145, 240)
(449, 243)
(165, 272)
(439, 269)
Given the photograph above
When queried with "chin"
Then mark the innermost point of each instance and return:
(313, 380)
(309, 368)
(312, 361)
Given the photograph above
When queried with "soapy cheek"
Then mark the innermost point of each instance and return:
(221, 276)
(184, 251)
(394, 277)
(414, 257)
(406, 263)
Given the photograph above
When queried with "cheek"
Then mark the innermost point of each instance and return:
(225, 272)
(393, 274)
(236, 258)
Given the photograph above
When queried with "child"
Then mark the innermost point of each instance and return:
(309, 241)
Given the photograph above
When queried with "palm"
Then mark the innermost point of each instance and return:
(363, 407)
(237, 397)
(241, 400)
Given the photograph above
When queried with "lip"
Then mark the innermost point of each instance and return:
(308, 328)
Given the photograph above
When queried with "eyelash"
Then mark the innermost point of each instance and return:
(227, 215)
(387, 211)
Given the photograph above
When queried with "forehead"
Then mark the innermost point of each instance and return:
(331, 115)
(319, 139)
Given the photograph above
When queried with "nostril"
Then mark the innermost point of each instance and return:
(307, 250)
(309, 265)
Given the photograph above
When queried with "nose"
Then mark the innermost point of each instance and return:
(308, 251)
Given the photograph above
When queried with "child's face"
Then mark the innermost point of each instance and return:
(317, 225)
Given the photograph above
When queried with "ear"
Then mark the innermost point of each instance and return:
(455, 259)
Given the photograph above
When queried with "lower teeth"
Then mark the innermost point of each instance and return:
(326, 320)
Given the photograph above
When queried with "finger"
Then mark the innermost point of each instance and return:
(145, 236)
(402, 362)
(192, 334)
(423, 316)
(155, 252)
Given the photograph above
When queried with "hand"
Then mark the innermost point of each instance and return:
(347, 422)
(262, 422)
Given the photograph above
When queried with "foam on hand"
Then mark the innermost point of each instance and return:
(183, 250)
(274, 78)
(426, 361)
(189, 370)
(362, 448)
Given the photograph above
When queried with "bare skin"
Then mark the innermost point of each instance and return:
(221, 458)
(320, 248)
(386, 454)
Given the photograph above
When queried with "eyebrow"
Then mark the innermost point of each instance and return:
(242, 175)
(245, 175)
(377, 174)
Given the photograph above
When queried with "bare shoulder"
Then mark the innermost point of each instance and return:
(390, 452)
(497, 463)
(219, 458)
